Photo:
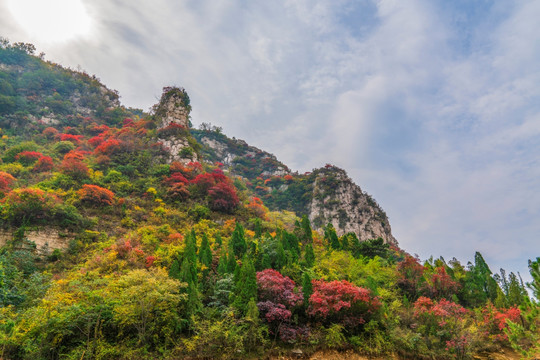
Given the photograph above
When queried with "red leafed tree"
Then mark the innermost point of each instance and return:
(74, 168)
(410, 276)
(223, 197)
(28, 157)
(277, 302)
(44, 163)
(175, 178)
(6, 180)
(50, 132)
(96, 140)
(273, 286)
(440, 284)
(494, 320)
(341, 302)
(75, 139)
(178, 191)
(96, 195)
(108, 147)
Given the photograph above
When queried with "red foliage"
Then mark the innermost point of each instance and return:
(410, 274)
(108, 147)
(96, 140)
(173, 129)
(341, 302)
(74, 155)
(176, 178)
(44, 163)
(50, 132)
(75, 139)
(178, 191)
(256, 205)
(223, 197)
(288, 177)
(149, 261)
(441, 284)
(74, 168)
(495, 320)
(6, 180)
(272, 286)
(439, 312)
(96, 195)
(28, 157)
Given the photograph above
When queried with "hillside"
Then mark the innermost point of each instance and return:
(127, 235)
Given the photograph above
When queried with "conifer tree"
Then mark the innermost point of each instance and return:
(306, 227)
(246, 286)
(307, 288)
(218, 240)
(309, 256)
(238, 241)
(331, 238)
(205, 253)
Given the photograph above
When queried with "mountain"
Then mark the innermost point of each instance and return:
(132, 235)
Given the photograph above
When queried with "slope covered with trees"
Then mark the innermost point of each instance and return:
(157, 256)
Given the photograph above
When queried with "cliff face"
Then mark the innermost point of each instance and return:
(326, 195)
(338, 200)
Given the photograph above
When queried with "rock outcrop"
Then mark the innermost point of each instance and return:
(172, 119)
(336, 199)
(43, 240)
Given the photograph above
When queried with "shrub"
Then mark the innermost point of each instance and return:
(340, 302)
(96, 195)
(29, 204)
(44, 163)
(6, 180)
(28, 157)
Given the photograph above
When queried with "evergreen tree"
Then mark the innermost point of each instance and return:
(534, 269)
(266, 263)
(309, 256)
(331, 238)
(174, 270)
(307, 288)
(306, 227)
(281, 257)
(218, 240)
(257, 227)
(238, 241)
(246, 286)
(222, 265)
(231, 263)
(205, 253)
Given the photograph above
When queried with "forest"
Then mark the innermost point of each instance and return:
(184, 259)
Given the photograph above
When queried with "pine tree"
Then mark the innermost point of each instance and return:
(231, 263)
(218, 240)
(281, 257)
(257, 228)
(222, 265)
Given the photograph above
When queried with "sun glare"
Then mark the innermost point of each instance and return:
(51, 20)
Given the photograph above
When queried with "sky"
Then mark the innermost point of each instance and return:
(432, 107)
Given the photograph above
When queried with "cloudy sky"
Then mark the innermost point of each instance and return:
(433, 107)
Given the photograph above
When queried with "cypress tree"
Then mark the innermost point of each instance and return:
(309, 256)
(307, 288)
(222, 265)
(205, 253)
(331, 237)
(218, 240)
(238, 241)
(306, 227)
(246, 286)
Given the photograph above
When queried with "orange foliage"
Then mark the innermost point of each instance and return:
(96, 195)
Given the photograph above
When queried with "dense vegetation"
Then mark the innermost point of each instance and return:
(176, 260)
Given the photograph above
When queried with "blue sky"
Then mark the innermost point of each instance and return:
(433, 107)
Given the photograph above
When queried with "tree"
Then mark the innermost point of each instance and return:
(331, 237)
(309, 256)
(238, 241)
(534, 269)
(341, 302)
(246, 286)
(306, 228)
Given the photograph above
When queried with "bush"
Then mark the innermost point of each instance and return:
(96, 195)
